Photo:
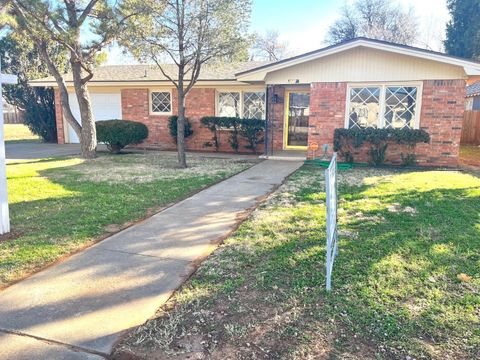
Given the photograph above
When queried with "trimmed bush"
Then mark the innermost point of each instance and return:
(212, 123)
(346, 140)
(249, 129)
(252, 130)
(117, 134)
(173, 126)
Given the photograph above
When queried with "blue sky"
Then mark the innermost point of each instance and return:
(304, 23)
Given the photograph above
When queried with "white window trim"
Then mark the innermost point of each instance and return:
(241, 92)
(150, 102)
(383, 86)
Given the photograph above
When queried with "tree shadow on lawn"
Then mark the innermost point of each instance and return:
(75, 211)
(395, 287)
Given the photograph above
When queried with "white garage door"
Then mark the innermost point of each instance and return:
(104, 107)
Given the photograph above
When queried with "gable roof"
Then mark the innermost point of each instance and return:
(471, 67)
(151, 73)
(474, 89)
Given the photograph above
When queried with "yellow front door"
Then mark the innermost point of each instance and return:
(297, 111)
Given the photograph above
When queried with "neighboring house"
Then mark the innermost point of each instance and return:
(473, 97)
(358, 83)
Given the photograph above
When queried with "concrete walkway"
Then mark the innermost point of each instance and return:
(79, 308)
(36, 150)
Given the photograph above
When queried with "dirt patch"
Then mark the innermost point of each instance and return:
(247, 324)
(12, 235)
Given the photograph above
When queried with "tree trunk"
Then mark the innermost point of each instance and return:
(182, 159)
(88, 135)
(62, 88)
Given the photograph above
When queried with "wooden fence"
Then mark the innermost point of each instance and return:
(471, 128)
(13, 117)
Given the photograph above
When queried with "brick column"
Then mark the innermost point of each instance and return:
(327, 113)
(59, 118)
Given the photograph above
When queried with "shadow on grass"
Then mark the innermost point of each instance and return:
(72, 210)
(395, 287)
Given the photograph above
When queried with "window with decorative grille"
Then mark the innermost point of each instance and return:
(248, 104)
(364, 107)
(161, 102)
(400, 104)
(383, 106)
(254, 105)
(229, 104)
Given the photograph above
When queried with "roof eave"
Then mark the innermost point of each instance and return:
(471, 68)
(93, 83)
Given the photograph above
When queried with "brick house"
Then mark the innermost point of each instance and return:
(360, 83)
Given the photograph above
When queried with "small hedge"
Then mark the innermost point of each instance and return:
(249, 129)
(346, 140)
(117, 134)
(173, 125)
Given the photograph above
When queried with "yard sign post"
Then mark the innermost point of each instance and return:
(331, 197)
(4, 215)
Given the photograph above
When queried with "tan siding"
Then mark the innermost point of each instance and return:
(363, 64)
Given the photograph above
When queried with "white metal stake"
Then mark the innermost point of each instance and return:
(4, 214)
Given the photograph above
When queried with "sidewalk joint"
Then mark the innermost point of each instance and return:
(74, 348)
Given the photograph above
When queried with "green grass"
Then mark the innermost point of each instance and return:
(18, 132)
(406, 282)
(60, 205)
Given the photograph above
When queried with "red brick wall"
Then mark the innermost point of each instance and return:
(276, 116)
(327, 113)
(441, 116)
(199, 102)
(443, 105)
(135, 106)
(59, 118)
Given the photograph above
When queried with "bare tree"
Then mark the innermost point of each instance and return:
(270, 47)
(375, 19)
(188, 33)
(83, 29)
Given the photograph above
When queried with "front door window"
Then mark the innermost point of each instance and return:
(297, 119)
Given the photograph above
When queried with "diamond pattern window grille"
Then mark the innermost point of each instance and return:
(229, 104)
(400, 104)
(364, 107)
(161, 102)
(254, 105)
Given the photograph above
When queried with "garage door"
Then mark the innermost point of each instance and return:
(104, 107)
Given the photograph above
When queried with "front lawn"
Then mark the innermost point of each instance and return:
(406, 283)
(58, 206)
(18, 132)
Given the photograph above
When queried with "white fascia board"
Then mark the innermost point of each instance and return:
(470, 71)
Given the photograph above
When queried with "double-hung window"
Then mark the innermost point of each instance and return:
(394, 106)
(246, 104)
(160, 102)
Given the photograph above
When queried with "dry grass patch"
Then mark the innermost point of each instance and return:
(61, 205)
(406, 282)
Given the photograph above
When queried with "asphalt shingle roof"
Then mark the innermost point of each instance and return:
(474, 89)
(121, 73)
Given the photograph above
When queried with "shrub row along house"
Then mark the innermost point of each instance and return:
(361, 83)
